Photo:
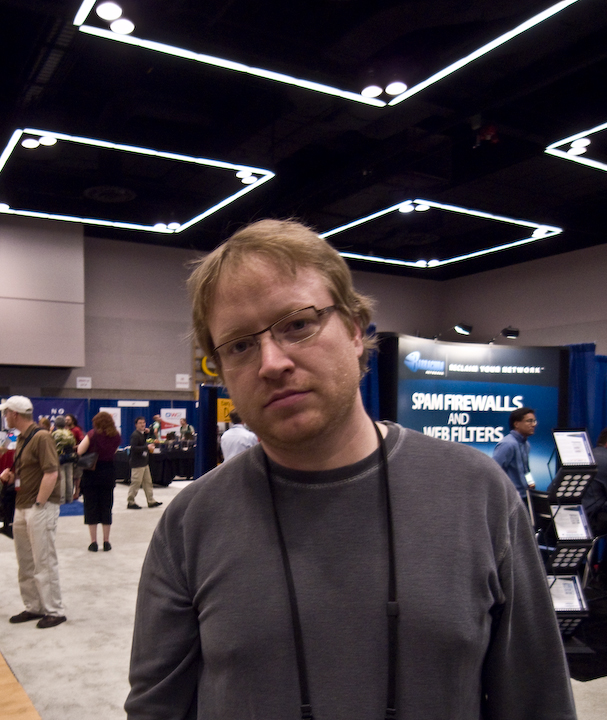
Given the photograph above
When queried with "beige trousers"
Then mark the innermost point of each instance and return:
(141, 476)
(34, 531)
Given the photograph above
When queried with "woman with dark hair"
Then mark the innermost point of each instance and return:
(98, 485)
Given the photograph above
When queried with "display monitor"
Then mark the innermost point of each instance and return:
(573, 447)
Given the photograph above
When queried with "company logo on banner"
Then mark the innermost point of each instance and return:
(169, 420)
(464, 392)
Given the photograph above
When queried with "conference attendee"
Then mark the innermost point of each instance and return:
(185, 429)
(340, 568)
(35, 474)
(7, 491)
(237, 438)
(66, 448)
(98, 483)
(512, 453)
(154, 431)
(71, 423)
(139, 461)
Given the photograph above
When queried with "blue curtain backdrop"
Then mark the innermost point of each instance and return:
(587, 389)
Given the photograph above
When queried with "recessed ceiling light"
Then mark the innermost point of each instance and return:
(249, 180)
(576, 151)
(109, 11)
(30, 143)
(396, 88)
(122, 26)
(422, 207)
(47, 140)
(160, 226)
(581, 142)
(406, 207)
(243, 174)
(4, 207)
(174, 226)
(371, 91)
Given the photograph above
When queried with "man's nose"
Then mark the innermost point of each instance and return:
(274, 359)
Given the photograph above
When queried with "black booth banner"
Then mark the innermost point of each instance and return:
(465, 392)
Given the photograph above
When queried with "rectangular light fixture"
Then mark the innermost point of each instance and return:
(539, 232)
(40, 140)
(575, 147)
(87, 6)
(501, 40)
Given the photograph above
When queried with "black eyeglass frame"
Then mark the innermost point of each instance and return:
(319, 312)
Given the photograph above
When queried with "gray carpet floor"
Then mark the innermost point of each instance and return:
(78, 670)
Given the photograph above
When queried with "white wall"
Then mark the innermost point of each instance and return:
(558, 300)
(41, 293)
(137, 316)
(137, 313)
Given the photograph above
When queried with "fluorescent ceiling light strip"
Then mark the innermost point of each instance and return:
(9, 148)
(536, 20)
(224, 202)
(265, 175)
(230, 65)
(83, 11)
(479, 253)
(549, 231)
(146, 151)
(361, 221)
(578, 159)
(385, 261)
(87, 221)
(487, 216)
(577, 136)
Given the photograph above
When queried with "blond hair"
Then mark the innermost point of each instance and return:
(288, 245)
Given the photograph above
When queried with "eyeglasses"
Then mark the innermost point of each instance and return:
(292, 329)
(531, 421)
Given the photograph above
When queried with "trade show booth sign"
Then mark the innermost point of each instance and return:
(464, 392)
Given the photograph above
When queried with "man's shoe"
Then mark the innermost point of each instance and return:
(25, 616)
(133, 506)
(93, 547)
(51, 621)
(154, 504)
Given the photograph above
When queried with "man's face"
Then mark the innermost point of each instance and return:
(526, 426)
(9, 418)
(140, 425)
(287, 395)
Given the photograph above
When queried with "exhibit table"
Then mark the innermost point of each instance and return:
(164, 465)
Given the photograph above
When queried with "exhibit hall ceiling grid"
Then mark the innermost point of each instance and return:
(422, 139)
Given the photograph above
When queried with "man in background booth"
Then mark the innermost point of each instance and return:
(236, 439)
(512, 453)
(340, 568)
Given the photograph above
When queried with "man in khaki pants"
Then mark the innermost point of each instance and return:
(140, 468)
(35, 474)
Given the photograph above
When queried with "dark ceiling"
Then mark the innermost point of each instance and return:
(474, 139)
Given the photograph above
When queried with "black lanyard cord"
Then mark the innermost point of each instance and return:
(306, 708)
(392, 605)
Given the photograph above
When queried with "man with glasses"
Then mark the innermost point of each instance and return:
(512, 453)
(340, 568)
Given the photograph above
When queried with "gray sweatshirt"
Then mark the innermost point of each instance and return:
(477, 634)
